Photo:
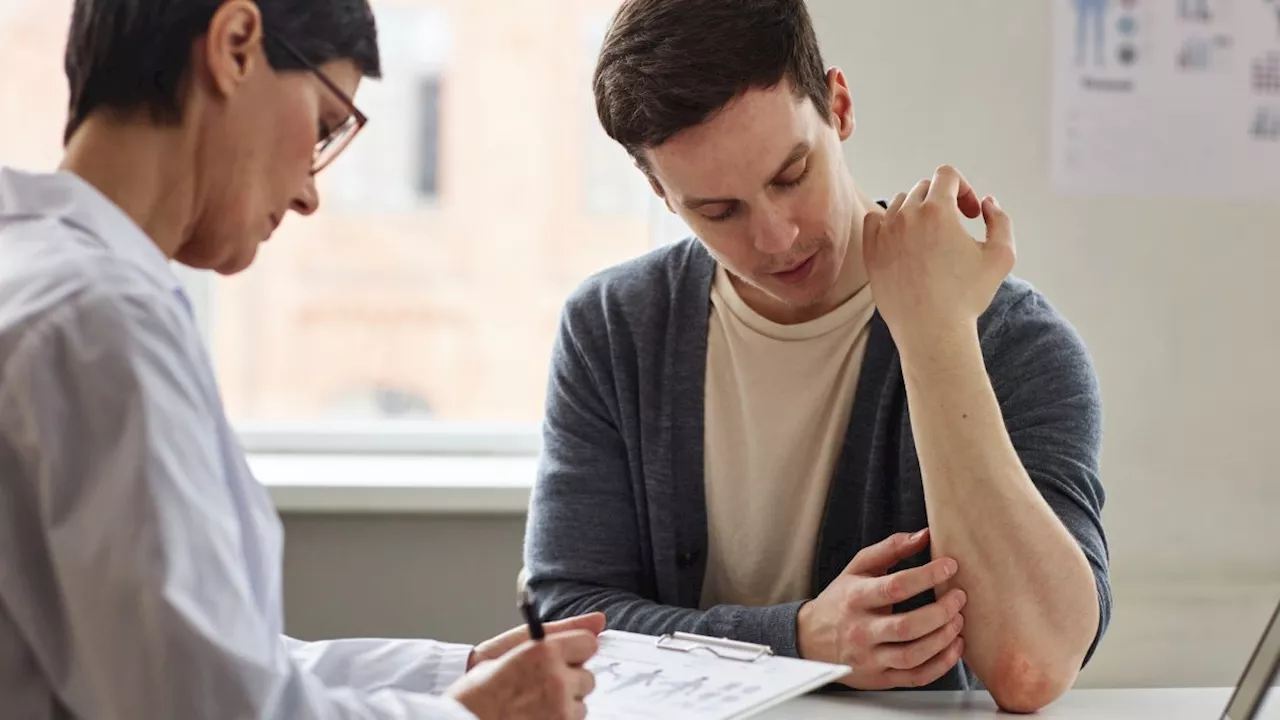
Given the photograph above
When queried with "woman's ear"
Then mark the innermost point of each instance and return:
(233, 46)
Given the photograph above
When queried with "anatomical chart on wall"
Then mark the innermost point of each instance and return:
(1173, 98)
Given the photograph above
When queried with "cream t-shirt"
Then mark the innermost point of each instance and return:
(778, 399)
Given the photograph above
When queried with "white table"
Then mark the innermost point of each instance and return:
(1179, 704)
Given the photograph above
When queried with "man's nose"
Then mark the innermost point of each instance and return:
(774, 231)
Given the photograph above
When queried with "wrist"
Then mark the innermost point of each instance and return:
(938, 349)
(807, 646)
(801, 623)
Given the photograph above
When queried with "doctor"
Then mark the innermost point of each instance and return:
(139, 559)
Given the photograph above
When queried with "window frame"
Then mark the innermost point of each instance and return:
(374, 437)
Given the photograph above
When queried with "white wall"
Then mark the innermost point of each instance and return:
(449, 578)
(1166, 292)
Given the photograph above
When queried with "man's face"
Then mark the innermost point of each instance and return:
(763, 184)
(257, 142)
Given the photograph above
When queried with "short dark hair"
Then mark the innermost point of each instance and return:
(668, 65)
(131, 54)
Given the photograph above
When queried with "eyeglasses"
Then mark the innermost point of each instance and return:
(331, 145)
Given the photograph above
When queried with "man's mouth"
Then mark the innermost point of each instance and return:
(797, 273)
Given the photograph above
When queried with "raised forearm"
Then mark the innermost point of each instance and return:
(1033, 608)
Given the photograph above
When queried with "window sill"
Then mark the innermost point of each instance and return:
(396, 484)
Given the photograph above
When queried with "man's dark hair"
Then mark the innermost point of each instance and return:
(668, 65)
(131, 54)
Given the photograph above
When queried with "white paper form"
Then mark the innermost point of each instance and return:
(635, 678)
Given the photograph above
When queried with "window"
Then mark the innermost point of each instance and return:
(422, 300)
(394, 168)
(381, 402)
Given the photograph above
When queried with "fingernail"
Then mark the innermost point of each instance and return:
(995, 202)
(961, 599)
(949, 567)
(957, 622)
(919, 534)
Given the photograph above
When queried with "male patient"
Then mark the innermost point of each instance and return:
(832, 427)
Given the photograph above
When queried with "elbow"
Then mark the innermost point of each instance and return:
(1028, 670)
(1027, 696)
(1024, 683)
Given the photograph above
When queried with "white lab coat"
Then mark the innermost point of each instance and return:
(140, 561)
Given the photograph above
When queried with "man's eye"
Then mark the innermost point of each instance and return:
(795, 178)
(723, 215)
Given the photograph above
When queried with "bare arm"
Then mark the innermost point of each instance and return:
(1033, 604)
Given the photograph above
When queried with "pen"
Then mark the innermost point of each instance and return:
(531, 615)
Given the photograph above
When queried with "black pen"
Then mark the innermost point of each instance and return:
(531, 615)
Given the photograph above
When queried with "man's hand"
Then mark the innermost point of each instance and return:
(494, 648)
(542, 680)
(852, 621)
(930, 278)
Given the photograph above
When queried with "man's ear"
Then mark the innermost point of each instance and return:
(233, 46)
(841, 103)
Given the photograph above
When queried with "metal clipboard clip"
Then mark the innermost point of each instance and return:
(722, 648)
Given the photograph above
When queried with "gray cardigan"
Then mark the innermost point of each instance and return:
(617, 520)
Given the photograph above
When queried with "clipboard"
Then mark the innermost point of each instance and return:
(683, 676)
(723, 648)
